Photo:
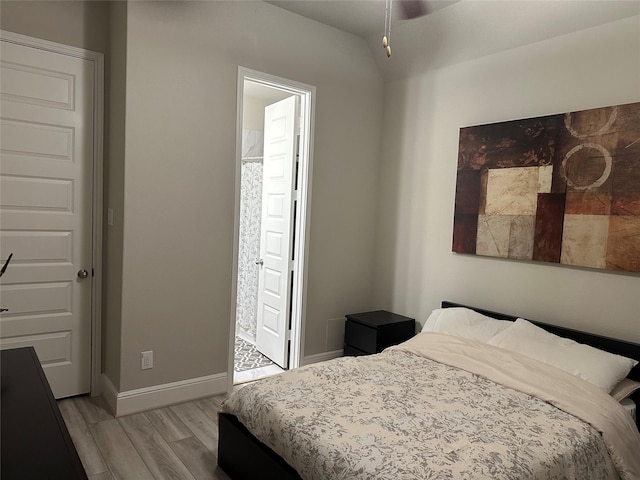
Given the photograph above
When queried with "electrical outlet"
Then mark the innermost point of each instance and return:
(146, 360)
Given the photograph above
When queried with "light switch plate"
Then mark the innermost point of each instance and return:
(146, 360)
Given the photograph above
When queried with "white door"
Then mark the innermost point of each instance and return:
(46, 141)
(276, 242)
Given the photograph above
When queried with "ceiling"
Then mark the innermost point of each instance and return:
(458, 31)
(360, 17)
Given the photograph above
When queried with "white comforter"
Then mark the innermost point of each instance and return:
(417, 411)
(557, 387)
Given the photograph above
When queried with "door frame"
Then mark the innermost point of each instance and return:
(97, 59)
(301, 228)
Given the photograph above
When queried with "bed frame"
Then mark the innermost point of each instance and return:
(243, 457)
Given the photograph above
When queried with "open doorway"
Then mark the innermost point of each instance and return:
(274, 133)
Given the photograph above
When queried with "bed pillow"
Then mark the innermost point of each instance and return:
(624, 389)
(601, 368)
(464, 322)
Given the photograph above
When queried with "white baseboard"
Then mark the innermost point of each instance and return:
(141, 399)
(321, 357)
(108, 393)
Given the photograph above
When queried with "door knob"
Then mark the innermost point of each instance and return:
(260, 262)
(83, 274)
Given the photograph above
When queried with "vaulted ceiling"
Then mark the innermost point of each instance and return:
(457, 31)
(361, 17)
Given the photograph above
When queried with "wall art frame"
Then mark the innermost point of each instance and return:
(562, 188)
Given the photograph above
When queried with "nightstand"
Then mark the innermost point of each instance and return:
(372, 332)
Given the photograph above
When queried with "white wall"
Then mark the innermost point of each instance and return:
(253, 113)
(595, 67)
(182, 60)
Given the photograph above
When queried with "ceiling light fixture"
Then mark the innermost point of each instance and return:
(386, 38)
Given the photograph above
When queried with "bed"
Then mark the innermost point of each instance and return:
(420, 410)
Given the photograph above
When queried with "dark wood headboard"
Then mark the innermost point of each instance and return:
(620, 347)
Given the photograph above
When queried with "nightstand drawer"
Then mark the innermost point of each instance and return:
(360, 336)
(372, 332)
(350, 351)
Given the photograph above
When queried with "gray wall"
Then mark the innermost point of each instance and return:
(76, 23)
(182, 60)
(114, 187)
(375, 213)
(171, 91)
(594, 67)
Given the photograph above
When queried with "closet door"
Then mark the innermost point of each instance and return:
(46, 172)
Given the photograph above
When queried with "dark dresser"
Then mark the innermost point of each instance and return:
(372, 332)
(35, 440)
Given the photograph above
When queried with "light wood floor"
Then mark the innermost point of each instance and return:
(176, 442)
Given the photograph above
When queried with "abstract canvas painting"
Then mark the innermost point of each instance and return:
(562, 188)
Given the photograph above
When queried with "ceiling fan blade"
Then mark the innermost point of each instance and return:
(412, 8)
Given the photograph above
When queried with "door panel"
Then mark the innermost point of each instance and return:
(44, 194)
(46, 170)
(276, 242)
